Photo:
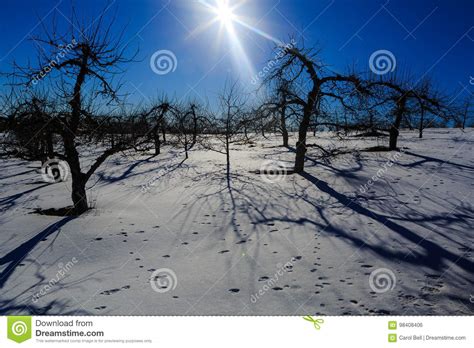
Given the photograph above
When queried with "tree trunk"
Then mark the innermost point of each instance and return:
(186, 146)
(301, 143)
(346, 125)
(194, 127)
(284, 130)
(420, 135)
(394, 132)
(78, 194)
(49, 144)
(371, 123)
(394, 129)
(156, 138)
(227, 153)
(163, 131)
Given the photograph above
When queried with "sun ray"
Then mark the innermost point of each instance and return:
(225, 14)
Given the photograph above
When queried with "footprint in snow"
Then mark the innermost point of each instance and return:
(113, 291)
(433, 276)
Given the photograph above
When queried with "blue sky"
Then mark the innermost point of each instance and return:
(433, 37)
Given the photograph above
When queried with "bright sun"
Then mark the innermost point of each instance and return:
(224, 13)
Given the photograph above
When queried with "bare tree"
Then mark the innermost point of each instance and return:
(227, 124)
(86, 53)
(405, 100)
(155, 116)
(278, 106)
(463, 112)
(30, 127)
(300, 68)
(187, 125)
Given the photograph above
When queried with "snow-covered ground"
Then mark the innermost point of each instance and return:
(318, 243)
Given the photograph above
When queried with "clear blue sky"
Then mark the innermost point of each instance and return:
(434, 36)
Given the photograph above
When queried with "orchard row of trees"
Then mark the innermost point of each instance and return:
(77, 102)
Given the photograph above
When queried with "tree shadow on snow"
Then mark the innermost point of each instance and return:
(54, 307)
(434, 256)
(17, 255)
(130, 171)
(10, 201)
(428, 159)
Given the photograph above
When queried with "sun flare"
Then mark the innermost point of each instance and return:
(224, 13)
(232, 19)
